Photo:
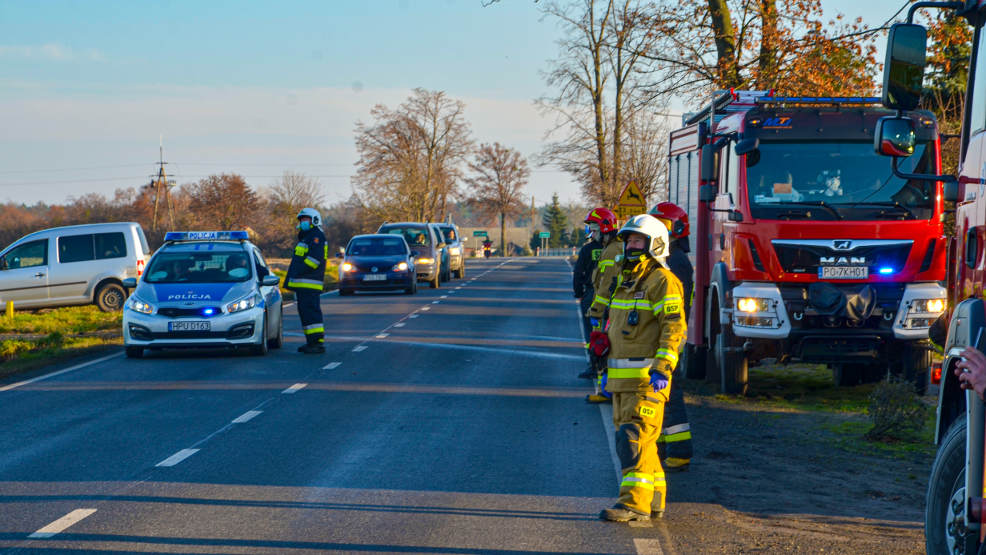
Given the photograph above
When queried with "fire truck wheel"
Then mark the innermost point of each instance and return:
(847, 375)
(944, 517)
(693, 360)
(730, 364)
(914, 364)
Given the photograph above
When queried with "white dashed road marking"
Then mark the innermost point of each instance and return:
(331, 366)
(359, 348)
(435, 302)
(177, 457)
(426, 308)
(294, 388)
(647, 546)
(382, 335)
(246, 416)
(61, 524)
(413, 316)
(443, 297)
(399, 325)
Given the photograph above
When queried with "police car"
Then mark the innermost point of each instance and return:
(204, 289)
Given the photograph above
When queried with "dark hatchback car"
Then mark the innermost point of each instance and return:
(427, 246)
(377, 262)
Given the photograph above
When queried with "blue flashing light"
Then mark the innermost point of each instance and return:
(206, 236)
(886, 270)
(818, 100)
(208, 311)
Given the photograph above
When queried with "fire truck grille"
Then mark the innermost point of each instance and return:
(806, 258)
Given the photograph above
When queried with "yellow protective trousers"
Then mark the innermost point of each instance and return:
(637, 417)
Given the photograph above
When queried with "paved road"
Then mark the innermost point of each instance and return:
(445, 422)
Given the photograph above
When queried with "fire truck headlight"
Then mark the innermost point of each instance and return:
(752, 304)
(936, 305)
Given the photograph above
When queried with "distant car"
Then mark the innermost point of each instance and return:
(456, 250)
(426, 245)
(376, 262)
(204, 289)
(73, 265)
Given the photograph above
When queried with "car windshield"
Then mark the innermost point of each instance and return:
(448, 233)
(836, 181)
(376, 246)
(415, 236)
(198, 267)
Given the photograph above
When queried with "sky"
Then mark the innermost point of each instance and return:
(88, 89)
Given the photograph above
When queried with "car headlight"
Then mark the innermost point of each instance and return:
(346, 267)
(753, 304)
(245, 303)
(400, 267)
(137, 305)
(426, 261)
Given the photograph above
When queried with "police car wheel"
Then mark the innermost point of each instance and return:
(110, 297)
(260, 349)
(277, 340)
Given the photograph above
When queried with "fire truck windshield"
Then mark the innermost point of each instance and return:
(836, 181)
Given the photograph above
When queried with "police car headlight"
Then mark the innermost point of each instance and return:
(245, 303)
(426, 261)
(346, 267)
(400, 267)
(137, 305)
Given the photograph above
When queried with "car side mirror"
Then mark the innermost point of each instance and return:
(746, 146)
(442, 245)
(735, 216)
(903, 71)
(3, 263)
(951, 191)
(270, 280)
(894, 136)
(130, 283)
(707, 169)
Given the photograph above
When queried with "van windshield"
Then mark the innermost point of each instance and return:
(188, 267)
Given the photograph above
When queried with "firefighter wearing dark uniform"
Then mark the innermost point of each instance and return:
(600, 228)
(674, 446)
(306, 275)
(642, 338)
(604, 279)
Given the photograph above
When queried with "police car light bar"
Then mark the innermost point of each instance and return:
(817, 100)
(206, 236)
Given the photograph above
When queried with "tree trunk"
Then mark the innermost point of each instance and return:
(767, 61)
(722, 26)
(503, 232)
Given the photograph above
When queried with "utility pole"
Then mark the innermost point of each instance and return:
(162, 186)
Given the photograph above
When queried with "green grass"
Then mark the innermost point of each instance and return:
(67, 320)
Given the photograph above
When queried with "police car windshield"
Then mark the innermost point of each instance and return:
(376, 246)
(199, 267)
(415, 236)
(790, 180)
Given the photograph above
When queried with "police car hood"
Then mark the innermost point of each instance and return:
(183, 293)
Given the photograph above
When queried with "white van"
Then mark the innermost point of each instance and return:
(73, 265)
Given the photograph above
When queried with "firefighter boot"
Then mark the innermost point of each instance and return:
(595, 399)
(657, 504)
(619, 513)
(676, 464)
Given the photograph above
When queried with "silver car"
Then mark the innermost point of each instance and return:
(73, 265)
(204, 289)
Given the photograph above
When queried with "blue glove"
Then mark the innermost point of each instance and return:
(593, 323)
(658, 381)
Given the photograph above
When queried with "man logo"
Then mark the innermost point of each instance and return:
(841, 245)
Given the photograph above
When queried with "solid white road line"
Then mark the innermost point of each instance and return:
(177, 457)
(246, 416)
(383, 335)
(294, 388)
(359, 348)
(59, 372)
(331, 366)
(61, 524)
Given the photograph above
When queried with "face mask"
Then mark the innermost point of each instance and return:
(633, 255)
(304, 226)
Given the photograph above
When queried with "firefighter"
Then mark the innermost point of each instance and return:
(604, 283)
(641, 340)
(675, 444)
(305, 277)
(600, 226)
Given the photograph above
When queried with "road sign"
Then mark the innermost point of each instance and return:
(544, 234)
(479, 233)
(631, 203)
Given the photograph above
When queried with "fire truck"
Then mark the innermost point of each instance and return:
(808, 247)
(955, 509)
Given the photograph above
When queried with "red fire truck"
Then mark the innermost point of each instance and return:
(955, 512)
(807, 245)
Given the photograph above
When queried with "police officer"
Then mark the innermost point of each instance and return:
(674, 446)
(306, 275)
(600, 226)
(642, 338)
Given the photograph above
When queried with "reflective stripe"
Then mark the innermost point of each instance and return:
(312, 262)
(301, 249)
(601, 300)
(670, 356)
(314, 328)
(670, 298)
(676, 429)
(630, 304)
(673, 438)
(603, 264)
(629, 373)
(638, 480)
(629, 362)
(304, 283)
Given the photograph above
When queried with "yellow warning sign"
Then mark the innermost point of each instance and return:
(632, 202)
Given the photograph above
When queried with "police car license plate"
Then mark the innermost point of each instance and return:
(189, 326)
(843, 272)
(374, 277)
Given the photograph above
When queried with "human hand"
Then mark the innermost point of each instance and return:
(971, 370)
(658, 381)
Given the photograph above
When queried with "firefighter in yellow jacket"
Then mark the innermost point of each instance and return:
(641, 341)
(604, 278)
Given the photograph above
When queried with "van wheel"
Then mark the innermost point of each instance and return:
(135, 352)
(110, 297)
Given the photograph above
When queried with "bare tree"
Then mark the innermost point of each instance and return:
(410, 158)
(498, 186)
(222, 202)
(285, 198)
